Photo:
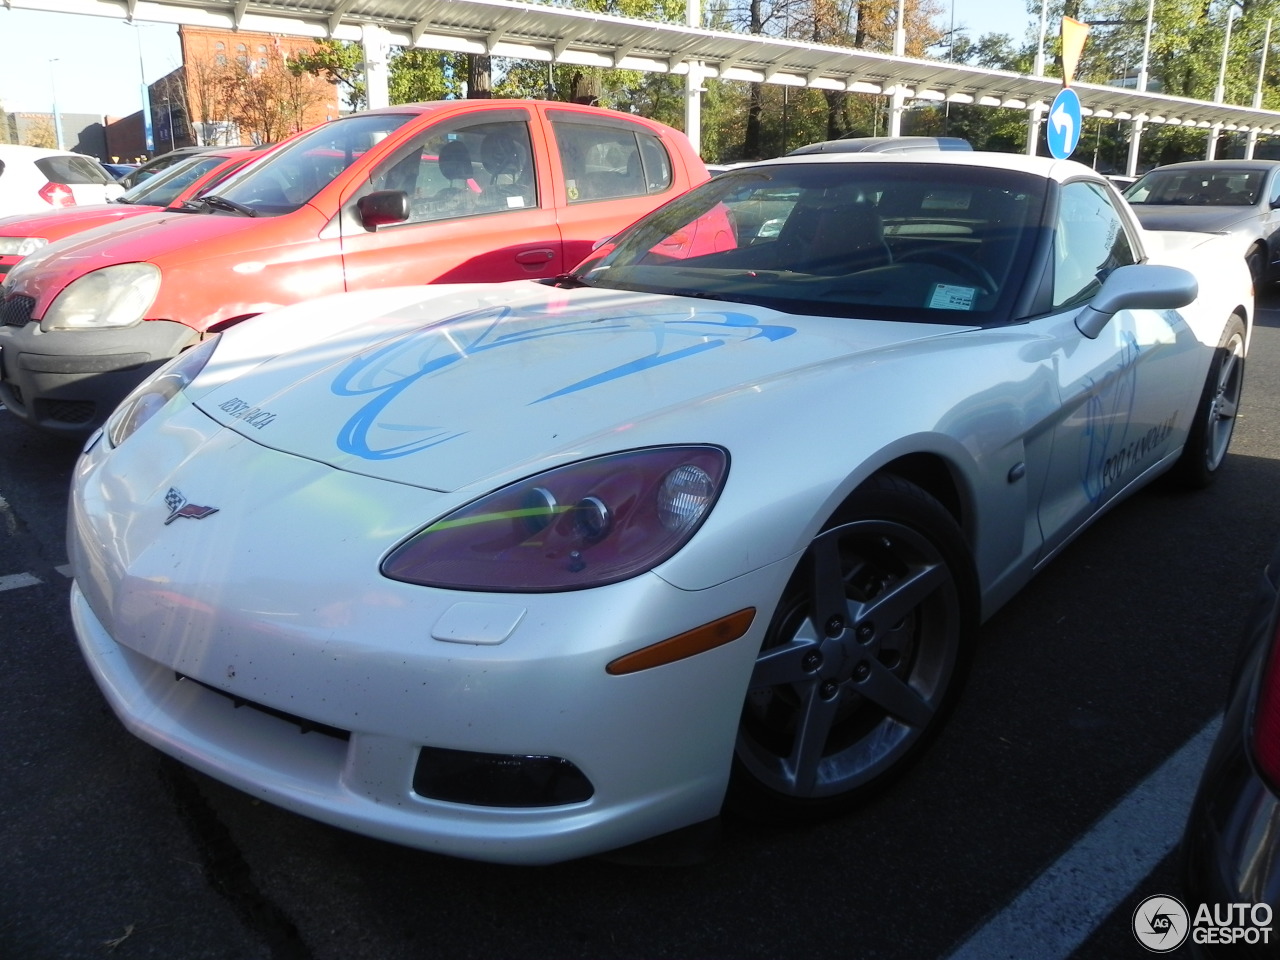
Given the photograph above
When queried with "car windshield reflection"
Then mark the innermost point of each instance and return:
(945, 244)
(290, 176)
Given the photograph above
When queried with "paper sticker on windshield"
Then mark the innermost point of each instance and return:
(947, 296)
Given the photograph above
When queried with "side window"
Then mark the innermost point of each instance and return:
(1274, 198)
(1089, 242)
(603, 162)
(465, 169)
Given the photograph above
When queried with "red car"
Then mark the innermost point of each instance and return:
(23, 234)
(452, 191)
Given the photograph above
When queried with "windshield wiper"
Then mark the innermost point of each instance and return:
(567, 280)
(222, 203)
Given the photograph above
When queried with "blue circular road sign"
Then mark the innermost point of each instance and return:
(1063, 132)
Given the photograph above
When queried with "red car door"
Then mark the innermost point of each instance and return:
(479, 207)
(610, 172)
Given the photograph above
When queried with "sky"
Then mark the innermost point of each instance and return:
(62, 54)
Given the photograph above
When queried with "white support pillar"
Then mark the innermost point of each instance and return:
(1135, 142)
(374, 41)
(1035, 116)
(693, 105)
(693, 83)
(899, 50)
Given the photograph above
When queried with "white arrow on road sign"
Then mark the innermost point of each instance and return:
(1062, 120)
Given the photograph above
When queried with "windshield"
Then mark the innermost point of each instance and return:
(291, 175)
(877, 240)
(1219, 187)
(163, 188)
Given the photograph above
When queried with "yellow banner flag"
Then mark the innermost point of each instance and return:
(1073, 36)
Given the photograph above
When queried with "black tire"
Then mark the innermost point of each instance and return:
(1215, 418)
(1259, 267)
(863, 657)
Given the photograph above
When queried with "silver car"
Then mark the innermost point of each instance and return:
(1237, 197)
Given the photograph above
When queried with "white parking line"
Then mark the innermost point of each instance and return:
(16, 580)
(1065, 904)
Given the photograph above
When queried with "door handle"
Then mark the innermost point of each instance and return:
(535, 256)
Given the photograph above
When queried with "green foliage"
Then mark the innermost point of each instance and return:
(338, 61)
(417, 75)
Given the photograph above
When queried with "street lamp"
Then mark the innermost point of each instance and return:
(57, 117)
(1035, 116)
(148, 135)
(1135, 134)
(1220, 91)
(1252, 141)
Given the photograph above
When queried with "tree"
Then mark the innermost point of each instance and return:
(268, 100)
(337, 61)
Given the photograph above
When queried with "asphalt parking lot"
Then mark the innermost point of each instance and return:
(1043, 815)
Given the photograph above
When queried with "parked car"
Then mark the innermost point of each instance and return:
(24, 234)
(1236, 197)
(1231, 849)
(851, 144)
(119, 170)
(550, 568)
(149, 168)
(36, 180)
(453, 191)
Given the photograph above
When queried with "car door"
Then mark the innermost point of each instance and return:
(611, 172)
(1126, 397)
(478, 208)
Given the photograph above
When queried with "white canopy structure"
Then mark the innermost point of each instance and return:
(532, 31)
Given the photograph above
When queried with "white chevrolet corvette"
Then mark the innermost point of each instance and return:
(523, 572)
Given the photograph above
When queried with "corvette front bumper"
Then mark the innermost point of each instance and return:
(266, 604)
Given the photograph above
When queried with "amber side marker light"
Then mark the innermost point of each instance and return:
(698, 640)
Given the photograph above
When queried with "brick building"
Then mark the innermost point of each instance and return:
(233, 87)
(213, 59)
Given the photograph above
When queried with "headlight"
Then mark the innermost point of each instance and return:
(111, 297)
(153, 393)
(581, 525)
(20, 246)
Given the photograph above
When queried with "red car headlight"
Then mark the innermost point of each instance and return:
(582, 525)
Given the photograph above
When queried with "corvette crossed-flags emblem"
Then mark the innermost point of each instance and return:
(179, 507)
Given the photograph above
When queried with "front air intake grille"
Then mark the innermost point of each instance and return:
(67, 411)
(15, 311)
(303, 725)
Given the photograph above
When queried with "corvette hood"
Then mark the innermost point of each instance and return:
(1201, 219)
(524, 376)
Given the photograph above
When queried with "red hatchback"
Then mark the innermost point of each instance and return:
(451, 191)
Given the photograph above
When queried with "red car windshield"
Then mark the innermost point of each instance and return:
(290, 176)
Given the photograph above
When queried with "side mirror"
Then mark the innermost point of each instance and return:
(382, 207)
(1139, 286)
